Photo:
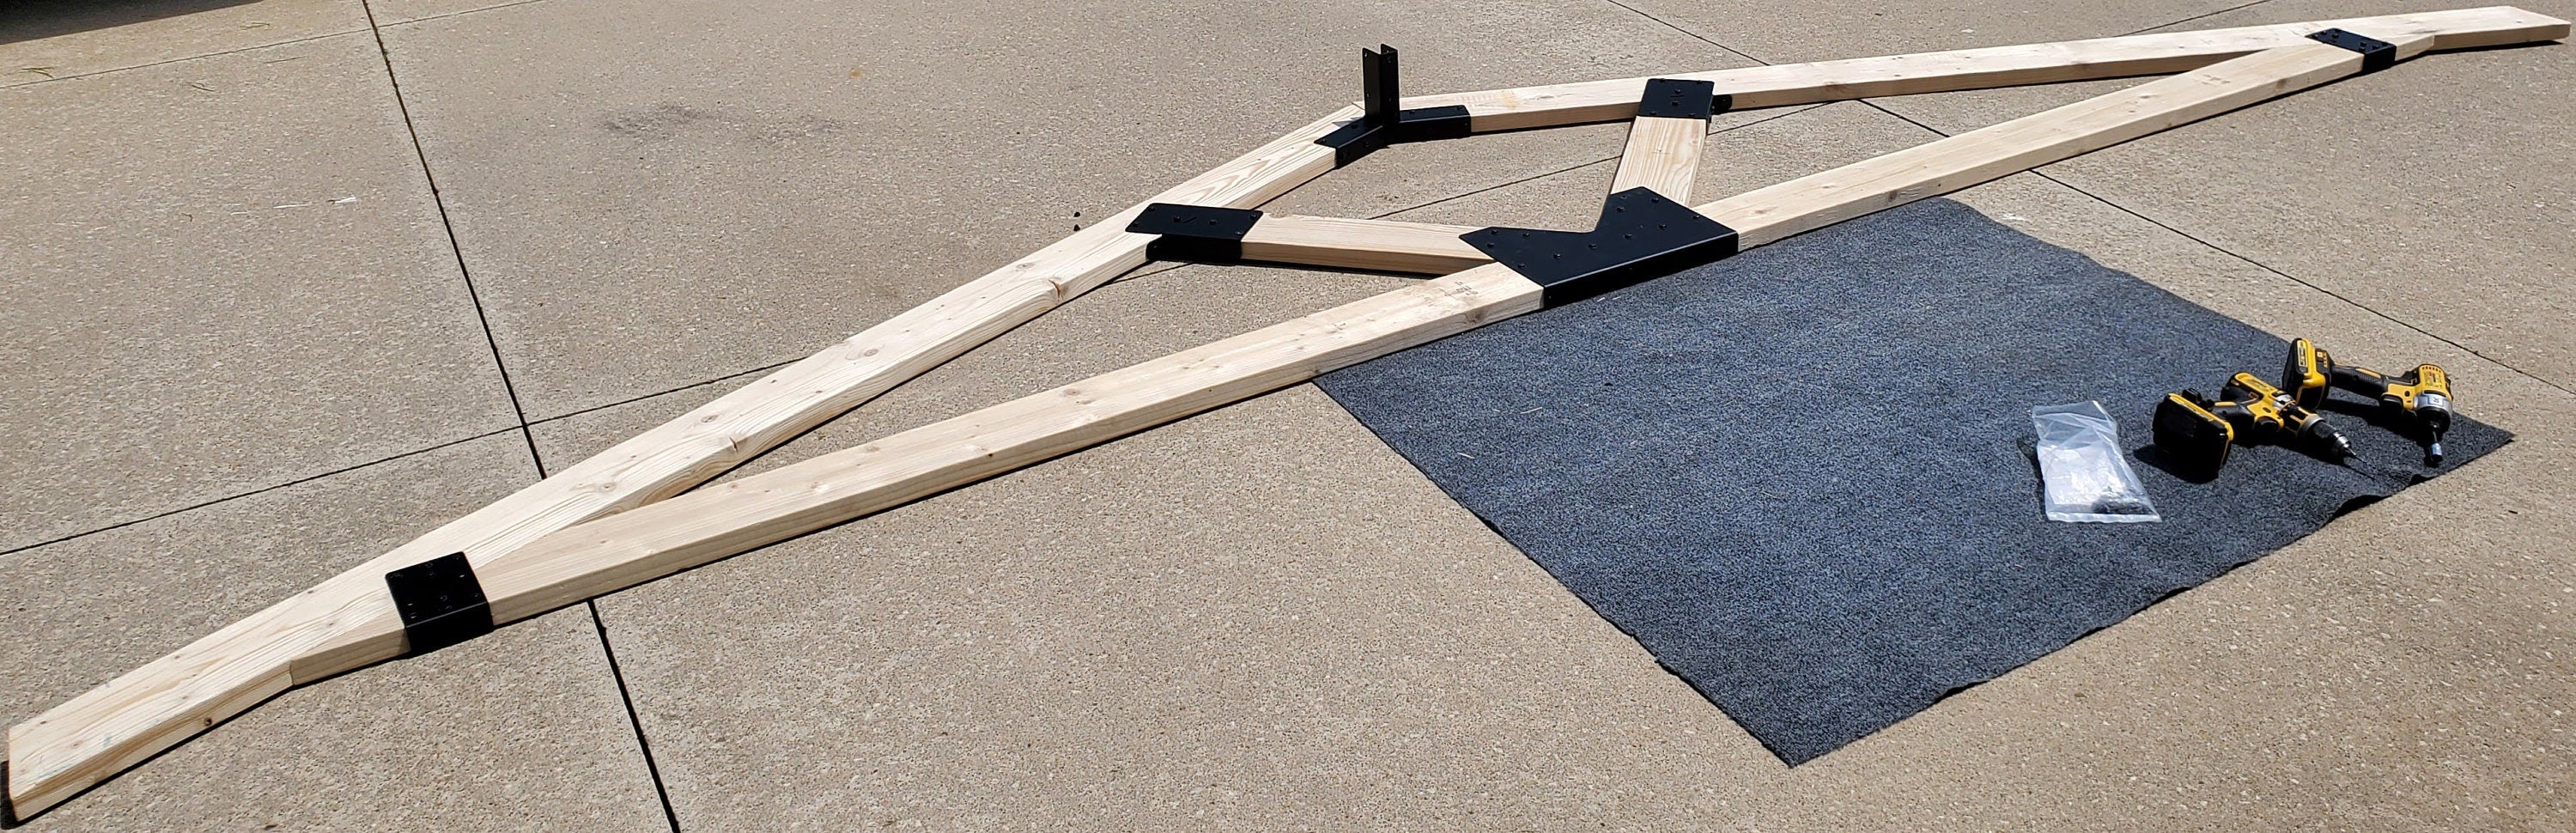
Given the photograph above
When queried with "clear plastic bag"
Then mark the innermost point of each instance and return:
(2085, 476)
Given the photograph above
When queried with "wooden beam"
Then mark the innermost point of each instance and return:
(62, 751)
(1664, 140)
(241, 665)
(1372, 245)
(1822, 199)
(1662, 154)
(340, 624)
(1999, 66)
(620, 551)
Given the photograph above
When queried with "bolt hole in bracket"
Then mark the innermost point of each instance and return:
(441, 603)
(2376, 54)
(1194, 233)
(1673, 98)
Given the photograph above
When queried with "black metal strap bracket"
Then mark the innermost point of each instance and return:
(1642, 235)
(1383, 121)
(2376, 54)
(440, 601)
(1194, 233)
(1673, 98)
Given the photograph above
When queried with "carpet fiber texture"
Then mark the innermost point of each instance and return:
(1803, 478)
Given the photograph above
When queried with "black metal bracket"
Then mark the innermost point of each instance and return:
(1194, 233)
(1383, 122)
(1641, 236)
(1673, 98)
(2376, 54)
(440, 601)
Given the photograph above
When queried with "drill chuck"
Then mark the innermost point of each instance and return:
(2423, 393)
(2328, 441)
(2194, 432)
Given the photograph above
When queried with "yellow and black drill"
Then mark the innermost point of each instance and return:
(2194, 432)
(2423, 393)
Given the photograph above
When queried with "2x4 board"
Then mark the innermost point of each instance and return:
(627, 515)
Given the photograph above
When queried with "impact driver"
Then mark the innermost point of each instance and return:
(2194, 432)
(2423, 394)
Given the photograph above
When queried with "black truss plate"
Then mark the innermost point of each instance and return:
(1194, 233)
(1672, 98)
(1382, 123)
(1422, 124)
(440, 601)
(1641, 236)
(2376, 54)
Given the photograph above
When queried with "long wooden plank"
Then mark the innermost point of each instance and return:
(2000, 66)
(239, 666)
(1662, 154)
(1373, 245)
(253, 659)
(91, 737)
(617, 552)
(1822, 199)
(621, 550)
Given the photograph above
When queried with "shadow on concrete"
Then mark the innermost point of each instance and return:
(26, 20)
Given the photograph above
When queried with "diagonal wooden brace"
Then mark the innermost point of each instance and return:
(1202, 234)
(1664, 141)
(530, 556)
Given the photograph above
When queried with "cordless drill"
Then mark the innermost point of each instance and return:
(2194, 432)
(2423, 393)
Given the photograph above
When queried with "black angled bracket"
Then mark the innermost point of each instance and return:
(1384, 122)
(1642, 235)
(1672, 98)
(1194, 233)
(2376, 54)
(440, 601)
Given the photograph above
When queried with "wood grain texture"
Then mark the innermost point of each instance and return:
(1822, 199)
(533, 556)
(1372, 245)
(1662, 154)
(721, 520)
(620, 551)
(2000, 66)
(106, 729)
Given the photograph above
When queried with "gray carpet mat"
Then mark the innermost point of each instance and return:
(1803, 478)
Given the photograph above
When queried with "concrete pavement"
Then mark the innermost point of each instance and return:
(252, 345)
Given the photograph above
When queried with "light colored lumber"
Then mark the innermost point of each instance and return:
(1662, 154)
(626, 549)
(1939, 167)
(1373, 245)
(134, 716)
(1999, 66)
(531, 560)
(620, 551)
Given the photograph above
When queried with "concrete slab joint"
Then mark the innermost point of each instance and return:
(255, 140)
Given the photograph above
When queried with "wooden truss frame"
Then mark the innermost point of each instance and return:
(619, 518)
